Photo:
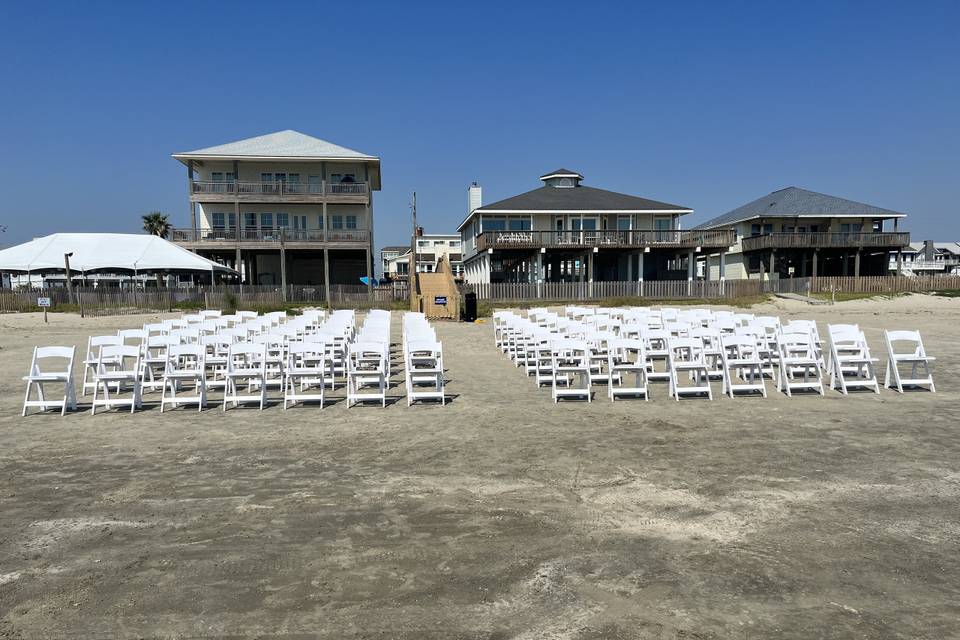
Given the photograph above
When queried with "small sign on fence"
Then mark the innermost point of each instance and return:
(44, 302)
(440, 300)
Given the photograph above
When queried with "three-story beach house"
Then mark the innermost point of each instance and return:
(283, 208)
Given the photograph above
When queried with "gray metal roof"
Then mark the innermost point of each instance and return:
(548, 199)
(792, 202)
(282, 144)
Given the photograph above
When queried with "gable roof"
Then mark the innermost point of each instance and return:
(794, 202)
(282, 144)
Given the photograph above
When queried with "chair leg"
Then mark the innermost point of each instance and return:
(26, 399)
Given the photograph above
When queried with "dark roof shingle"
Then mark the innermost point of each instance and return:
(580, 198)
(792, 202)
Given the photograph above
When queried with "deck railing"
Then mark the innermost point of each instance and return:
(825, 240)
(637, 239)
(278, 188)
(279, 234)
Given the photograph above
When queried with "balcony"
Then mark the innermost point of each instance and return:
(269, 238)
(243, 191)
(825, 240)
(669, 239)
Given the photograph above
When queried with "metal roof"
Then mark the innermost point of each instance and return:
(282, 144)
(794, 202)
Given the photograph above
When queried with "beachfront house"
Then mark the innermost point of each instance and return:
(798, 233)
(431, 249)
(566, 231)
(283, 208)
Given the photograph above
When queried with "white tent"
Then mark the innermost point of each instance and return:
(104, 252)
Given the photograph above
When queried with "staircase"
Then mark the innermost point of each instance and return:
(439, 297)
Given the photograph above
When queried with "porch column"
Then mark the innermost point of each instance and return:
(283, 265)
(899, 256)
(640, 273)
(723, 271)
(237, 265)
(813, 273)
(856, 264)
(706, 267)
(541, 275)
(369, 272)
(326, 222)
(326, 276)
(193, 205)
(691, 265)
(773, 264)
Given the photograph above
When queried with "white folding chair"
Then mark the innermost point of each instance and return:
(627, 361)
(246, 361)
(685, 357)
(424, 367)
(914, 356)
(740, 360)
(184, 364)
(571, 360)
(798, 363)
(94, 344)
(852, 364)
(118, 365)
(40, 374)
(305, 370)
(365, 369)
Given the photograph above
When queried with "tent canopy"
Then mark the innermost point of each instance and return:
(104, 252)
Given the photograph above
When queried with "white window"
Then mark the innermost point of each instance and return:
(266, 220)
(218, 220)
(454, 243)
(336, 222)
(351, 222)
(283, 219)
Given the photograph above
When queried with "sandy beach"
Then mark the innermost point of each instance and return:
(500, 515)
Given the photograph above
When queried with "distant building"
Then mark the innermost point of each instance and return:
(387, 254)
(283, 196)
(566, 231)
(927, 258)
(795, 232)
(431, 248)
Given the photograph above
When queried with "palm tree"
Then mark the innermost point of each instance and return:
(156, 224)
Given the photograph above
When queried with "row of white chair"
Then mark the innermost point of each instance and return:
(243, 354)
(739, 349)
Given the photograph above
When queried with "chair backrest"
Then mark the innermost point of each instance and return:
(247, 356)
(185, 357)
(138, 336)
(686, 350)
(211, 313)
(620, 349)
(94, 343)
(122, 357)
(910, 340)
(52, 353)
(739, 347)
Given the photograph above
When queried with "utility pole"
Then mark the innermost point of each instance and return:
(412, 279)
(66, 267)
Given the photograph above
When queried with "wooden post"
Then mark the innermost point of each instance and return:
(773, 264)
(856, 264)
(813, 273)
(899, 257)
(326, 276)
(283, 264)
(66, 267)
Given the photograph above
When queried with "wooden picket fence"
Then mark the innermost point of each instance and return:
(700, 289)
(104, 301)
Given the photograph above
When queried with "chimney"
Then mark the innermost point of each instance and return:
(475, 197)
(929, 250)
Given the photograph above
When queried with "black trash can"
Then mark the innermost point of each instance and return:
(469, 307)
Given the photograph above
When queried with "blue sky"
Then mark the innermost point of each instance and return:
(705, 104)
